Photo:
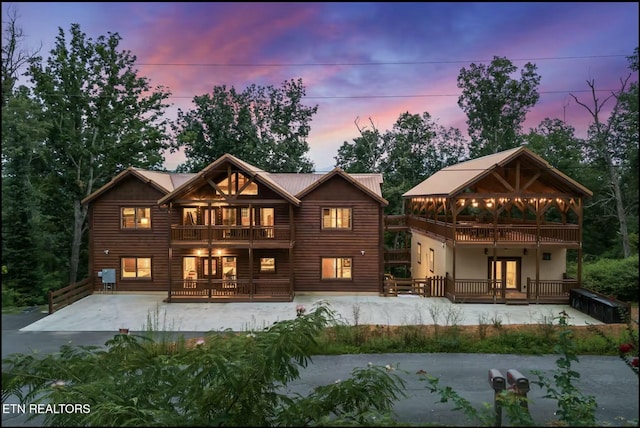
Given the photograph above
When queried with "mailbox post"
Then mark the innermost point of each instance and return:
(498, 384)
(519, 384)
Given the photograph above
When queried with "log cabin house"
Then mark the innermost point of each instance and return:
(234, 232)
(494, 229)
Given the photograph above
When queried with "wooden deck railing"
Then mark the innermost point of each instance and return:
(229, 233)
(545, 289)
(401, 255)
(240, 289)
(487, 232)
(426, 287)
(69, 294)
(479, 290)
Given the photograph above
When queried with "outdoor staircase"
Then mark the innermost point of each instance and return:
(516, 298)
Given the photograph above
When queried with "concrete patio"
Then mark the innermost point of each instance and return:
(138, 312)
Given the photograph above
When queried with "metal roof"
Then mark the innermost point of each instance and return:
(455, 178)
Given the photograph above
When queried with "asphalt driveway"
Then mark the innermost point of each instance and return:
(608, 379)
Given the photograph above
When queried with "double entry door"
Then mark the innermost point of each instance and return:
(507, 271)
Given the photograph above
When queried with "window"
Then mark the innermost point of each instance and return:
(432, 259)
(419, 253)
(267, 264)
(237, 183)
(336, 218)
(266, 221)
(245, 186)
(229, 216)
(336, 267)
(205, 267)
(136, 218)
(189, 270)
(136, 267)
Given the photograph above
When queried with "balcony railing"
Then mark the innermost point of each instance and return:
(483, 232)
(239, 289)
(230, 233)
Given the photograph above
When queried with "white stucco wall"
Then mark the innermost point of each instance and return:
(422, 269)
(472, 263)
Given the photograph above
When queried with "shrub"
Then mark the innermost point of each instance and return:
(613, 277)
(225, 378)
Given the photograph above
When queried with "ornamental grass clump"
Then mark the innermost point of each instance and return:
(223, 379)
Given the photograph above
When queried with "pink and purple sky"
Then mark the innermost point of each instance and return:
(358, 61)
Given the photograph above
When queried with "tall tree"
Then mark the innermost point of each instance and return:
(14, 56)
(415, 148)
(105, 118)
(265, 126)
(496, 104)
(364, 154)
(412, 150)
(556, 142)
(22, 132)
(613, 144)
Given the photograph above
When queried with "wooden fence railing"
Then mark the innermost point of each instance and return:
(69, 294)
(426, 287)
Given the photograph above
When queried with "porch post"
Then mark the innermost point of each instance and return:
(454, 215)
(538, 217)
(251, 289)
(210, 264)
(170, 252)
(537, 281)
(209, 246)
(251, 221)
(292, 239)
(494, 275)
(580, 242)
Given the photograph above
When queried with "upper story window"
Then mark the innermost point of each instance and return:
(336, 218)
(135, 218)
(237, 184)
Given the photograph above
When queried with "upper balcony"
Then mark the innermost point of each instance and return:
(512, 233)
(256, 236)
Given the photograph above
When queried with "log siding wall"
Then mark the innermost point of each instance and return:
(106, 234)
(310, 243)
(313, 243)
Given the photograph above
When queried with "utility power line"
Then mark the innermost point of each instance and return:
(350, 64)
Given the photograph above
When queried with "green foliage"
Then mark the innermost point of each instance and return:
(613, 277)
(224, 379)
(628, 345)
(496, 104)
(537, 340)
(574, 407)
(104, 118)
(511, 404)
(23, 127)
(415, 148)
(264, 126)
